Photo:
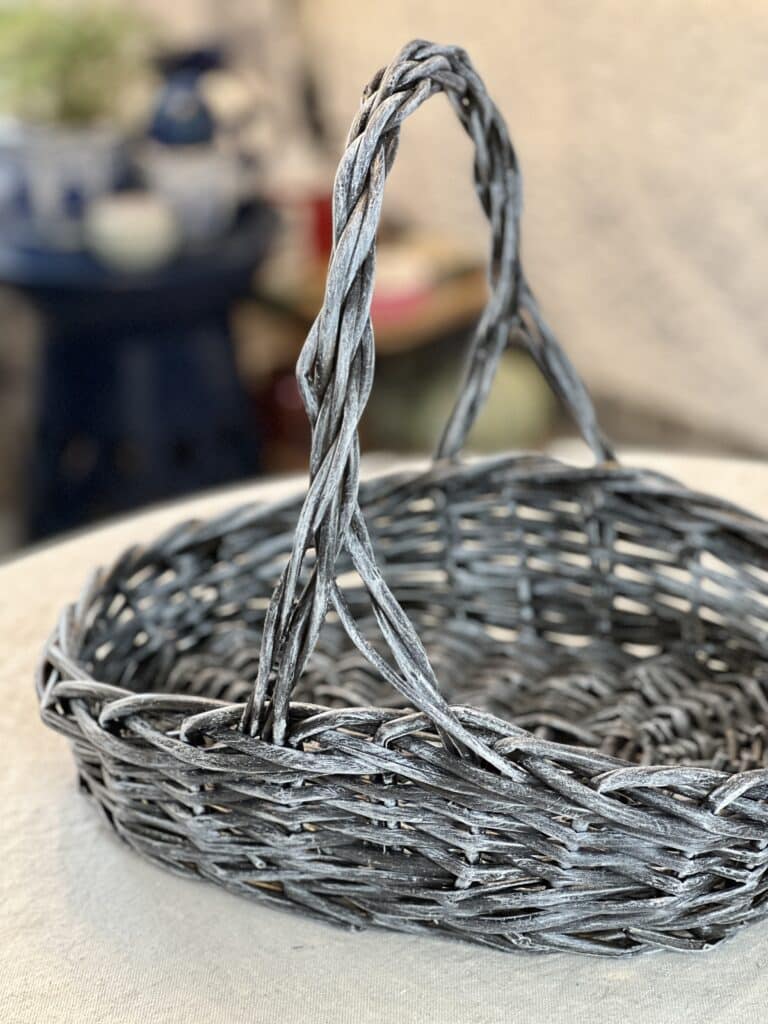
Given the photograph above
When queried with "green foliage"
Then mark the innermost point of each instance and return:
(68, 65)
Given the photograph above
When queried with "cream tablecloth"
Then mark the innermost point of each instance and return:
(90, 933)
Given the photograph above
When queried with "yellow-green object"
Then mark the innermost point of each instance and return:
(518, 412)
(68, 66)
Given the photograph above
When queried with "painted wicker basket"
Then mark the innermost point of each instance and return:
(511, 701)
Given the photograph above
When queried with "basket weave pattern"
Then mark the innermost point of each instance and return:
(510, 701)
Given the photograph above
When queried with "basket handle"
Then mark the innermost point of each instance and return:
(335, 374)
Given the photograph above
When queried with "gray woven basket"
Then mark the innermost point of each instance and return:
(511, 701)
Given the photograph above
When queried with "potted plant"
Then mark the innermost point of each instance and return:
(67, 79)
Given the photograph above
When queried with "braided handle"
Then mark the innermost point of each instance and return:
(335, 374)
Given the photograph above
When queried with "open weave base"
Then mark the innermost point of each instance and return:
(584, 639)
(666, 709)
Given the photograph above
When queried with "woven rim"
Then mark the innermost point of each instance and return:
(63, 651)
(509, 837)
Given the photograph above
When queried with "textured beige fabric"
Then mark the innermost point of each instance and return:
(89, 932)
(640, 130)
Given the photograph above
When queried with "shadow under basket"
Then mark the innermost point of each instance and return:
(510, 701)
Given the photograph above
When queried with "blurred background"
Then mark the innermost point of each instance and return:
(165, 178)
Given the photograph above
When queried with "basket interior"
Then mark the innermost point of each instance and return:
(592, 619)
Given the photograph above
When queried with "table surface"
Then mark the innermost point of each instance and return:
(90, 932)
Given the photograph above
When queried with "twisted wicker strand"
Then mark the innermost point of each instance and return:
(335, 375)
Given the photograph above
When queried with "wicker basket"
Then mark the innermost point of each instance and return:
(511, 701)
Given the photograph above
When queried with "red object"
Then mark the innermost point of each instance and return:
(321, 212)
(391, 307)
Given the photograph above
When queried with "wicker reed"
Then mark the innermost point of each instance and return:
(511, 701)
